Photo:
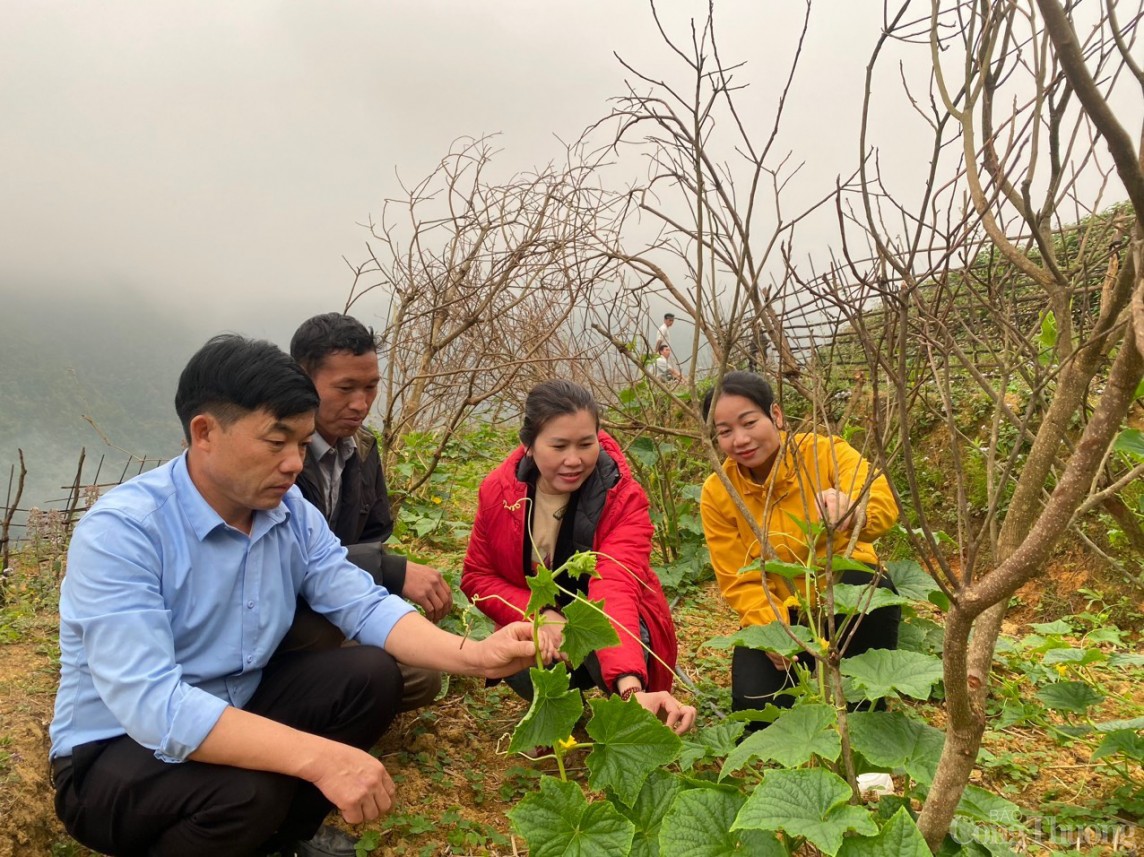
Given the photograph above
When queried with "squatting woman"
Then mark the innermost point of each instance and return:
(786, 481)
(568, 488)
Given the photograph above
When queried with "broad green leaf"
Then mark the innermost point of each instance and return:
(883, 672)
(544, 591)
(772, 637)
(586, 631)
(630, 744)
(579, 564)
(839, 564)
(899, 838)
(981, 805)
(712, 742)
(1115, 725)
(789, 570)
(1123, 742)
(916, 634)
(559, 822)
(1060, 626)
(808, 802)
(652, 804)
(699, 825)
(913, 581)
(643, 450)
(849, 598)
(1080, 657)
(1047, 338)
(554, 711)
(1114, 636)
(891, 740)
(801, 732)
(1073, 696)
(1130, 442)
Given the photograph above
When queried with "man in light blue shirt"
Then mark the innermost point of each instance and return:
(177, 731)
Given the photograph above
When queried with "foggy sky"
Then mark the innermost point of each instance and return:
(217, 157)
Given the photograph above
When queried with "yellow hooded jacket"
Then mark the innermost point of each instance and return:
(806, 464)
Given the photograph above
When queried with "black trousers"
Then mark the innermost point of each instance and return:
(755, 681)
(115, 797)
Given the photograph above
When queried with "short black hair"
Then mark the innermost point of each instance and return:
(551, 399)
(318, 337)
(232, 376)
(745, 384)
(668, 315)
(659, 348)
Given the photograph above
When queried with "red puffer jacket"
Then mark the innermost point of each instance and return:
(611, 513)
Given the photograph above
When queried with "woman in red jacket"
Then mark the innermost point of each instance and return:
(568, 488)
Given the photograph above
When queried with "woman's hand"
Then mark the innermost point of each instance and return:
(779, 661)
(835, 507)
(550, 637)
(671, 712)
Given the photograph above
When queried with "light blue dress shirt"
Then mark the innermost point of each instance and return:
(168, 615)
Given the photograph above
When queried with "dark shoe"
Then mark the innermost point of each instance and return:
(329, 841)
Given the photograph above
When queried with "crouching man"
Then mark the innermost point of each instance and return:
(176, 732)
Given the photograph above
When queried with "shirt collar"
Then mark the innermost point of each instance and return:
(346, 446)
(202, 517)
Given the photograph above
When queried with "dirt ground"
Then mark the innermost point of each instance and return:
(454, 781)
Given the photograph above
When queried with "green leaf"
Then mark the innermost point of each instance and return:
(1080, 657)
(586, 631)
(699, 825)
(559, 822)
(1114, 725)
(984, 806)
(643, 450)
(630, 744)
(839, 564)
(849, 598)
(1060, 626)
(1047, 338)
(544, 591)
(789, 570)
(916, 634)
(1130, 442)
(913, 581)
(891, 740)
(652, 804)
(808, 802)
(712, 742)
(899, 838)
(804, 731)
(1123, 742)
(580, 564)
(1073, 696)
(883, 672)
(554, 710)
(772, 637)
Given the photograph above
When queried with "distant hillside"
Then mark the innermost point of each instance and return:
(115, 361)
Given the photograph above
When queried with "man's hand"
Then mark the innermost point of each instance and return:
(507, 651)
(353, 781)
(671, 712)
(427, 588)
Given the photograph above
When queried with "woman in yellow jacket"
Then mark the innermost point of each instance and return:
(785, 480)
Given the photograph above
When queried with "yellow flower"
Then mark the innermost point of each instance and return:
(823, 644)
(566, 744)
(1062, 669)
(792, 601)
(437, 500)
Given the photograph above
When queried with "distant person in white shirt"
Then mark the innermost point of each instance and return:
(661, 336)
(664, 366)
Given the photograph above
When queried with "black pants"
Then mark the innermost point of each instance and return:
(755, 681)
(117, 798)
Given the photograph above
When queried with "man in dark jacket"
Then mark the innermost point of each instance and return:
(343, 477)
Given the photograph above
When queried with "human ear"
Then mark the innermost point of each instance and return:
(202, 427)
(777, 416)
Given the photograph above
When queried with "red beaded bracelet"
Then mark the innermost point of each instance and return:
(628, 693)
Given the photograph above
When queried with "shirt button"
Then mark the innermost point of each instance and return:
(250, 659)
(250, 604)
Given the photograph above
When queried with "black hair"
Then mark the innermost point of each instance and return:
(551, 399)
(318, 337)
(745, 384)
(231, 376)
(661, 346)
(668, 315)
